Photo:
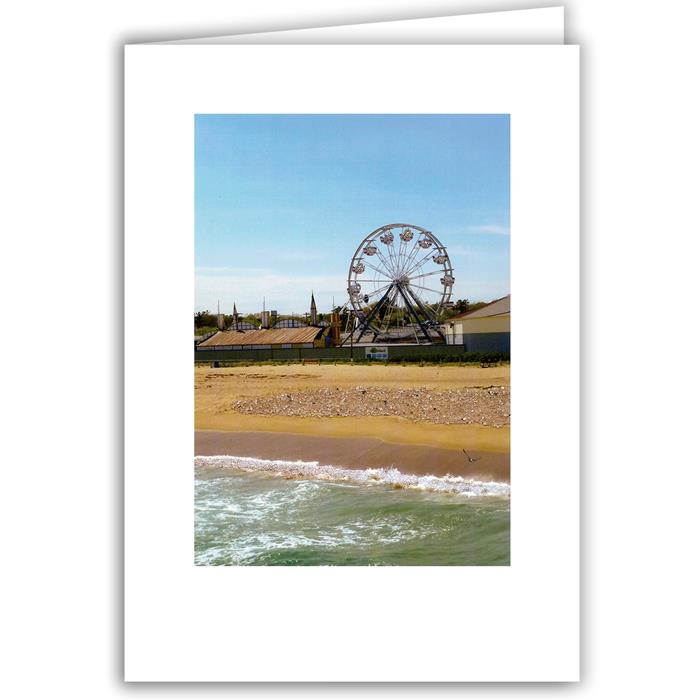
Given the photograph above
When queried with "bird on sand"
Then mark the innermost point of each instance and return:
(470, 458)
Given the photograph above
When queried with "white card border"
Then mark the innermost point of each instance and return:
(189, 623)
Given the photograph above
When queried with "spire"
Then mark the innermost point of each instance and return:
(314, 313)
(235, 317)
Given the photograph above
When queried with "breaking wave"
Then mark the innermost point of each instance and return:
(388, 476)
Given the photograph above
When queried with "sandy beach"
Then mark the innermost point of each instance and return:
(319, 413)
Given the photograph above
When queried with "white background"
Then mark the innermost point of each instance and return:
(368, 623)
(62, 253)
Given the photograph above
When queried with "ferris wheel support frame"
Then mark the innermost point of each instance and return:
(412, 311)
(418, 302)
(364, 326)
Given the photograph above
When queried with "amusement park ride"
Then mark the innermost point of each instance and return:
(399, 282)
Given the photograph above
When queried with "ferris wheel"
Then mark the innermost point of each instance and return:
(400, 277)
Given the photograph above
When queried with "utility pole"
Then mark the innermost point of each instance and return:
(352, 333)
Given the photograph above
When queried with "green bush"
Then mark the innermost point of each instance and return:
(204, 330)
(462, 358)
(457, 358)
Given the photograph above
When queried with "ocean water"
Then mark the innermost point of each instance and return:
(258, 512)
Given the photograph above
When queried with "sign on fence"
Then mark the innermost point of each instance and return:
(377, 352)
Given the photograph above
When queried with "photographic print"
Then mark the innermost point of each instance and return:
(352, 340)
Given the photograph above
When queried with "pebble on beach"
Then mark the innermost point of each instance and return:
(488, 406)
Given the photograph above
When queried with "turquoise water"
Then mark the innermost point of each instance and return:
(258, 512)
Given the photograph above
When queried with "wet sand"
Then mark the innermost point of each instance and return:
(398, 431)
(355, 453)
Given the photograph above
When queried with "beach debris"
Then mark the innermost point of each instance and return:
(488, 406)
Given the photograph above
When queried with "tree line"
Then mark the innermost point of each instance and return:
(205, 322)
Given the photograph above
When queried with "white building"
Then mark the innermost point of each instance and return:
(484, 330)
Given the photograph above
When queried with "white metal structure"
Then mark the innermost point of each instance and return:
(399, 276)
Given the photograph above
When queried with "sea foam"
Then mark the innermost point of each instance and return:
(388, 476)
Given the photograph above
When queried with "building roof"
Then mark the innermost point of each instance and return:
(495, 308)
(275, 336)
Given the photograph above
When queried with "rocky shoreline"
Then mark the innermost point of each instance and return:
(485, 406)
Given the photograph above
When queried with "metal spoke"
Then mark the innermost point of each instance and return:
(402, 245)
(422, 260)
(376, 269)
(391, 252)
(411, 256)
(428, 274)
(381, 289)
(387, 265)
(406, 255)
(378, 278)
(417, 286)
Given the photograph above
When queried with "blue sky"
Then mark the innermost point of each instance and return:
(283, 201)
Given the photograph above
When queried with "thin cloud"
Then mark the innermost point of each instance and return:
(228, 270)
(490, 228)
(302, 256)
(458, 251)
